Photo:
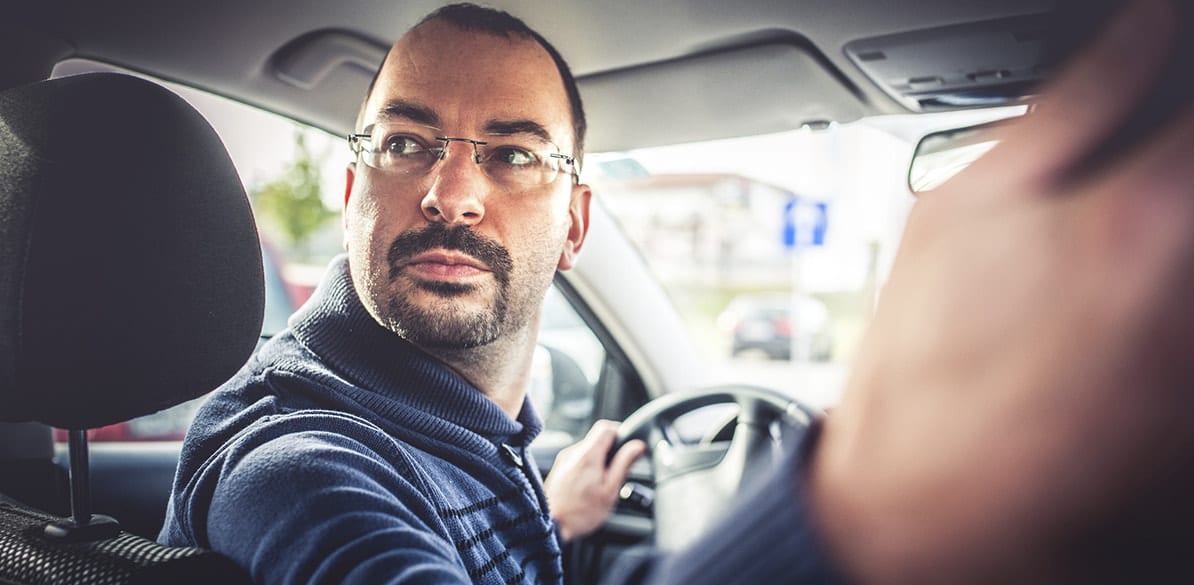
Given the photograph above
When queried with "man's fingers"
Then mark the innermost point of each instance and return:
(1148, 199)
(623, 459)
(1082, 108)
(601, 438)
(1166, 159)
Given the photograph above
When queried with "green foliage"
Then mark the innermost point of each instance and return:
(292, 203)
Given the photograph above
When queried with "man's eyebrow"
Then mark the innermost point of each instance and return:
(414, 112)
(508, 127)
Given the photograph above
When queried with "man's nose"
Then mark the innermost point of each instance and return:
(457, 193)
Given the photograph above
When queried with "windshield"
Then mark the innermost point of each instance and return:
(773, 248)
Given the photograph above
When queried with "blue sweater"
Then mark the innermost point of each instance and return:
(343, 454)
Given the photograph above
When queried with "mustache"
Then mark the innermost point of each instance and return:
(461, 238)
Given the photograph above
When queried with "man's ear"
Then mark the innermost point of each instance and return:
(578, 212)
(349, 175)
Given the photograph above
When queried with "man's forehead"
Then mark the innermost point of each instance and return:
(441, 76)
(400, 110)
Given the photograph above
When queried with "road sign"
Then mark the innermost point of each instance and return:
(805, 223)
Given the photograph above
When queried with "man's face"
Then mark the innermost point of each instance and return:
(453, 258)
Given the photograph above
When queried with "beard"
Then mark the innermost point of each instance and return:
(446, 323)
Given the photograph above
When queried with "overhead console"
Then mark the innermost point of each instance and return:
(995, 62)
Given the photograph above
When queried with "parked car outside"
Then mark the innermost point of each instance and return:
(780, 326)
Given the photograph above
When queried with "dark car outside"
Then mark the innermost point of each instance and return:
(779, 326)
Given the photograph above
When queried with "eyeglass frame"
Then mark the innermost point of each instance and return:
(356, 140)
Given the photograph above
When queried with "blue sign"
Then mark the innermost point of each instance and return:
(804, 223)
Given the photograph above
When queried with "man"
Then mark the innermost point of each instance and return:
(383, 437)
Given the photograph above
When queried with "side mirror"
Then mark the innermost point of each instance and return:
(941, 155)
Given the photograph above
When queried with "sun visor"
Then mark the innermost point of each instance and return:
(758, 89)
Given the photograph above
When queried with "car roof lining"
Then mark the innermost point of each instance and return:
(717, 93)
(699, 49)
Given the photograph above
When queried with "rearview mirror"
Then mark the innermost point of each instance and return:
(941, 155)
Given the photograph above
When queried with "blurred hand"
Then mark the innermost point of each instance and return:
(1021, 409)
(581, 490)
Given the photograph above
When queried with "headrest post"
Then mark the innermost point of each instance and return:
(83, 526)
(80, 477)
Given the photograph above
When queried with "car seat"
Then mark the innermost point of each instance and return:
(130, 281)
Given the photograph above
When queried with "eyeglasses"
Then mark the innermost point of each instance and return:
(412, 150)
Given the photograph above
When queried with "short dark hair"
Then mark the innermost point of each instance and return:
(470, 17)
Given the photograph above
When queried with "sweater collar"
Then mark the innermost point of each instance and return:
(393, 373)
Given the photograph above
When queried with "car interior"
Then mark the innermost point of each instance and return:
(135, 280)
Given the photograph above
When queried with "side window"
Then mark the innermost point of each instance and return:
(565, 371)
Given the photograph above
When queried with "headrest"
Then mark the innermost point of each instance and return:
(130, 269)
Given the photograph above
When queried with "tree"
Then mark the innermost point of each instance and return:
(292, 203)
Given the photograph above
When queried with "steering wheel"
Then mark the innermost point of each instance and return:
(694, 484)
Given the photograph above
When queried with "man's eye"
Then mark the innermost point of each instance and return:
(513, 156)
(400, 144)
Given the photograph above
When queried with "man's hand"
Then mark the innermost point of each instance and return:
(1021, 409)
(581, 490)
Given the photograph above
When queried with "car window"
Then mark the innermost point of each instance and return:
(565, 371)
(774, 248)
(771, 247)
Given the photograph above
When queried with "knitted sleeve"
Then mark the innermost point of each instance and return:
(308, 499)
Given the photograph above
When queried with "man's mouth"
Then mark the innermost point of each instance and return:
(445, 265)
